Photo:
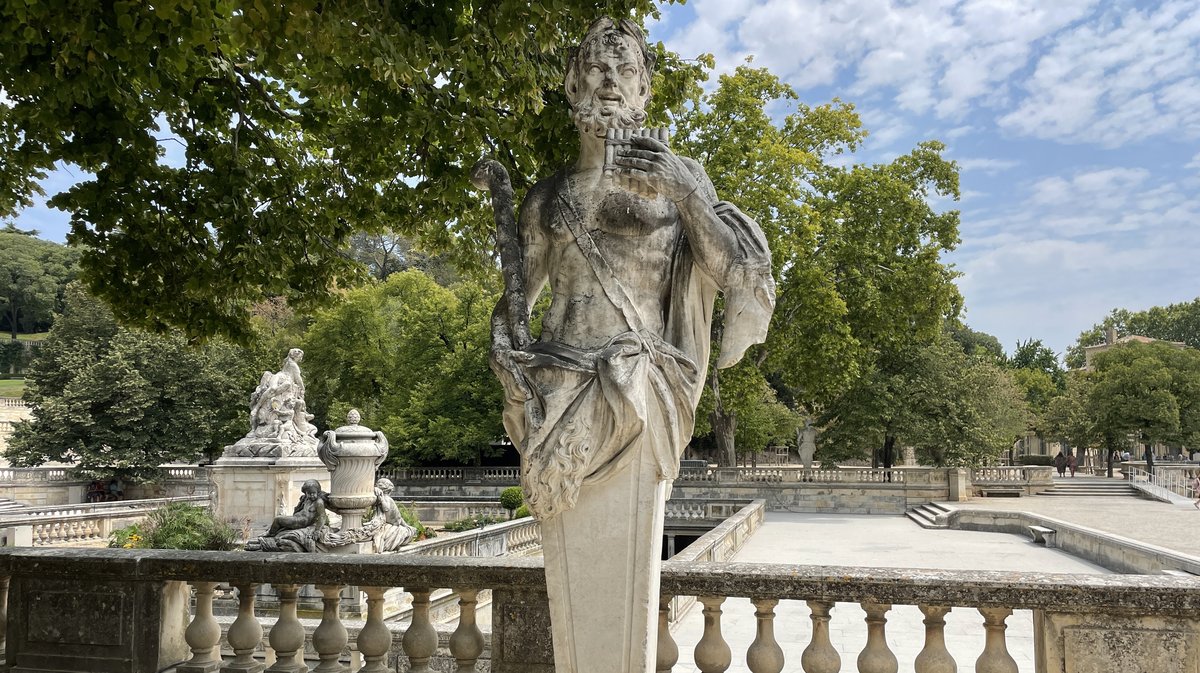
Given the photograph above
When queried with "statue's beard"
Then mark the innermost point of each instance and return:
(595, 116)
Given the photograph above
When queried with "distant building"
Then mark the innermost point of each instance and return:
(1110, 340)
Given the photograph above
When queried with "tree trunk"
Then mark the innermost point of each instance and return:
(724, 423)
(723, 426)
(889, 453)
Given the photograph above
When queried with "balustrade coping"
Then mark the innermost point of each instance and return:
(1145, 594)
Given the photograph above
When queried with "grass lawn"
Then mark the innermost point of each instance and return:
(11, 387)
(35, 336)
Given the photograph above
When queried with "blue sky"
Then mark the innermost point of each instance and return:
(1076, 124)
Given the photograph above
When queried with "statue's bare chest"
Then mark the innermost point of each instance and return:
(614, 215)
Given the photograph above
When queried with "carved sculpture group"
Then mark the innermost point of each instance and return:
(279, 418)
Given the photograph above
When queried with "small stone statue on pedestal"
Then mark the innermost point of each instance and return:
(305, 530)
(279, 419)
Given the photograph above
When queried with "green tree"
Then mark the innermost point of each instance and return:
(1067, 418)
(113, 400)
(954, 408)
(1033, 355)
(1174, 322)
(976, 343)
(856, 249)
(411, 355)
(33, 274)
(233, 147)
(1148, 390)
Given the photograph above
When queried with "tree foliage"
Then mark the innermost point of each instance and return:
(114, 400)
(1174, 322)
(33, 275)
(856, 248)
(954, 408)
(411, 355)
(232, 147)
(1148, 390)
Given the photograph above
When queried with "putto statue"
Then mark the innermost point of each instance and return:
(305, 529)
(634, 243)
(279, 419)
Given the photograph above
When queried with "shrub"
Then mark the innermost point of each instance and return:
(522, 512)
(1035, 460)
(472, 522)
(411, 519)
(512, 498)
(177, 526)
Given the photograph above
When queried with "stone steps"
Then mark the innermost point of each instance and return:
(926, 515)
(1090, 488)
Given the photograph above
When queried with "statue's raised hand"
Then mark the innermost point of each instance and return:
(652, 165)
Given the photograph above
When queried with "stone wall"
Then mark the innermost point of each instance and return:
(1115, 552)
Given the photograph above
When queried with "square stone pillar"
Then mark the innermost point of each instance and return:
(1104, 641)
(261, 488)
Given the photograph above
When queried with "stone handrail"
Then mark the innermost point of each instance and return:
(1014, 473)
(136, 611)
(86, 523)
(796, 475)
(12, 402)
(473, 475)
(511, 537)
(25, 475)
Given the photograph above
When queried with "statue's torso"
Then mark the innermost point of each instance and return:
(635, 236)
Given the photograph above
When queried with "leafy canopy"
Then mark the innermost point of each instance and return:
(114, 400)
(233, 146)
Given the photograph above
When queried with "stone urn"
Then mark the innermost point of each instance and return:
(352, 453)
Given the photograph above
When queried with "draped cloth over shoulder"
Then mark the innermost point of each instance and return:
(638, 387)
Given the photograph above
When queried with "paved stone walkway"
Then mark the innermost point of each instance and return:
(879, 541)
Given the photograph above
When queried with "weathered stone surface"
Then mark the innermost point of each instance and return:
(279, 418)
(1090, 643)
(635, 245)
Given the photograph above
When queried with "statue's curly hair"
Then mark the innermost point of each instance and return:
(597, 31)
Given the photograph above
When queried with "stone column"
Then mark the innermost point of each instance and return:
(603, 559)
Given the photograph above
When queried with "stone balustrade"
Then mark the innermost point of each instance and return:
(13, 402)
(470, 475)
(129, 609)
(511, 538)
(79, 524)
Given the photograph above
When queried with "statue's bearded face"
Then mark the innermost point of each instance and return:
(608, 86)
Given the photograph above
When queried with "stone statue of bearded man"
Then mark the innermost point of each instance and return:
(602, 404)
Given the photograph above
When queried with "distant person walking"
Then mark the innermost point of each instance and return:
(1071, 463)
(1060, 464)
(1196, 489)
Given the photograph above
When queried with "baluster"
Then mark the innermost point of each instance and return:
(820, 656)
(876, 657)
(245, 634)
(4, 615)
(203, 634)
(995, 657)
(712, 652)
(668, 651)
(934, 658)
(374, 640)
(287, 636)
(420, 640)
(466, 643)
(765, 655)
(330, 636)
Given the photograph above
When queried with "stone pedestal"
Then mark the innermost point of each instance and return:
(261, 488)
(960, 484)
(603, 559)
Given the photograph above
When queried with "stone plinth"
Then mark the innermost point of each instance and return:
(261, 488)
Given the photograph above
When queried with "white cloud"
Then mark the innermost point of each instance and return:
(1122, 77)
(988, 166)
